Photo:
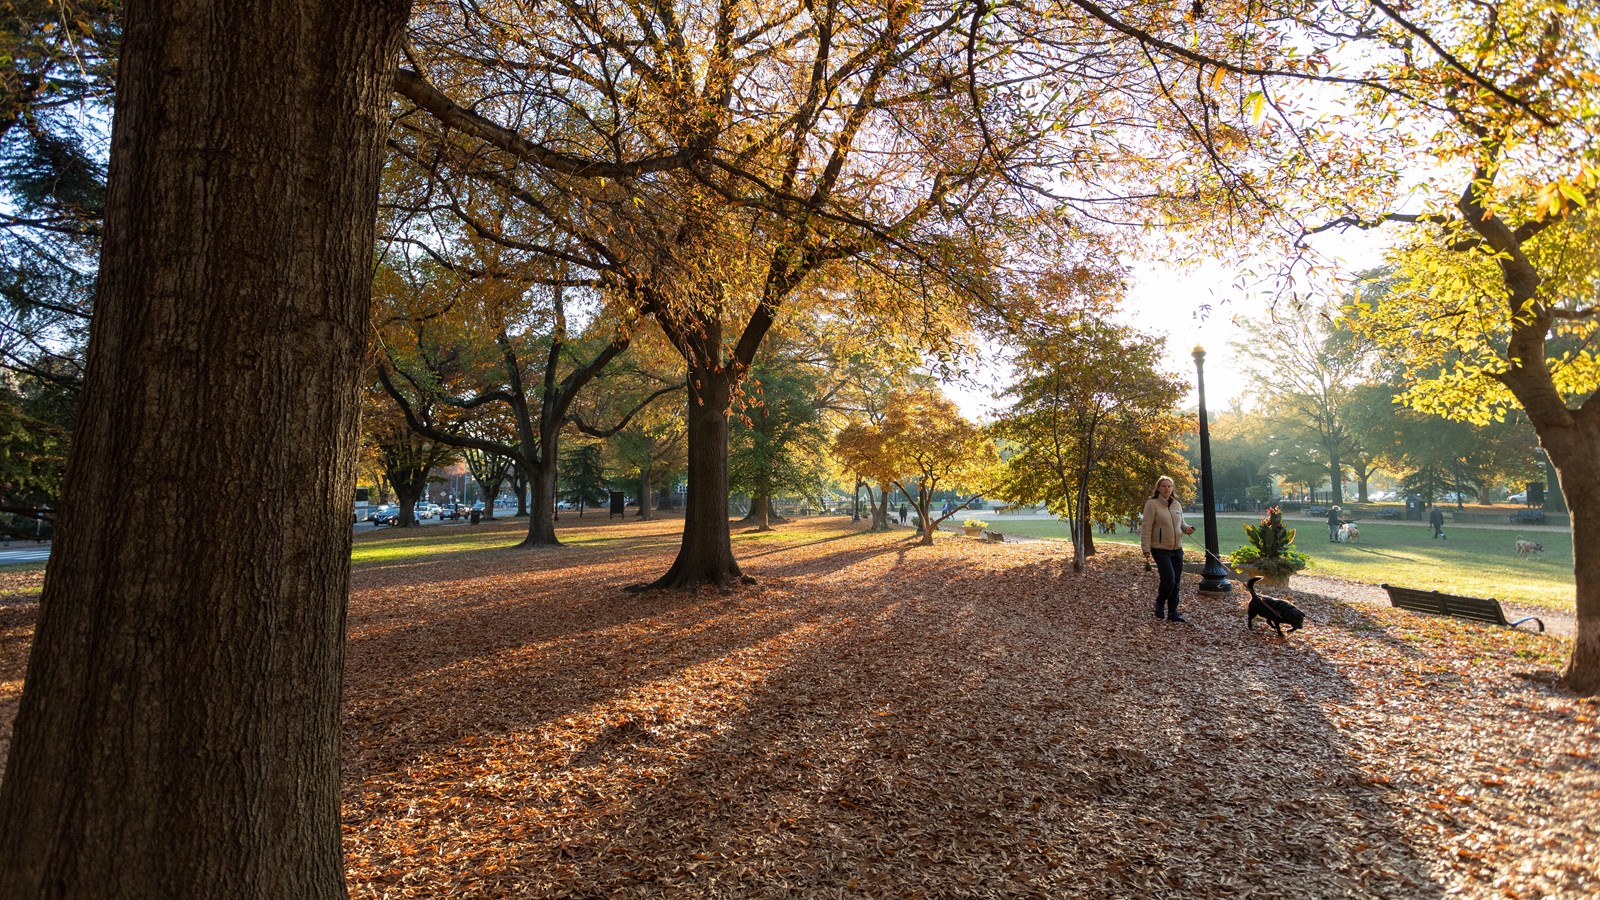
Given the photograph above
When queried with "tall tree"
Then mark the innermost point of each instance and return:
(1498, 253)
(1087, 391)
(485, 351)
(1301, 361)
(489, 470)
(583, 475)
(710, 164)
(922, 446)
(779, 442)
(178, 733)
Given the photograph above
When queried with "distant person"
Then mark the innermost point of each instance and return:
(1436, 519)
(1161, 537)
(903, 513)
(1333, 524)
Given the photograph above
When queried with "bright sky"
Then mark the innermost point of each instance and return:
(1190, 308)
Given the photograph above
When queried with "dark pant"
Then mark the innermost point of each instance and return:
(1169, 564)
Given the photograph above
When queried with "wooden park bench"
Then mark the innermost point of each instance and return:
(1528, 517)
(1477, 609)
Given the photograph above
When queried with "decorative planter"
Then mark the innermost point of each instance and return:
(972, 530)
(1271, 581)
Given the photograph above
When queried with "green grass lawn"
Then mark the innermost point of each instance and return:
(1475, 561)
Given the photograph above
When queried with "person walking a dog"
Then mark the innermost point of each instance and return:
(1333, 524)
(1436, 519)
(1161, 538)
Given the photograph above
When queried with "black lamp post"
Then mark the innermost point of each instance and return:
(1213, 577)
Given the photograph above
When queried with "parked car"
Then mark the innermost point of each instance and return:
(1518, 498)
(452, 511)
(427, 511)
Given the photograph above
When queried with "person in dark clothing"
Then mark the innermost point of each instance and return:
(1333, 524)
(1436, 519)
(903, 512)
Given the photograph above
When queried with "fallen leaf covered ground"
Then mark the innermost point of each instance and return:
(878, 719)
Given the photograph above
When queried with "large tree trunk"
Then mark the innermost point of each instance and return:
(542, 502)
(1575, 454)
(706, 553)
(178, 734)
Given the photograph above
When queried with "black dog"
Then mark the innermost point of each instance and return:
(1277, 613)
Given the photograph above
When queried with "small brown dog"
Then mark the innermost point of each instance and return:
(1526, 549)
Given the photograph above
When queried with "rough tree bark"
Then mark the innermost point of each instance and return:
(705, 557)
(178, 733)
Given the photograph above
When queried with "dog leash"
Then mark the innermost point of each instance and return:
(1206, 554)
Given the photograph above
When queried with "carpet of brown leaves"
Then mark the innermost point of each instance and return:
(877, 719)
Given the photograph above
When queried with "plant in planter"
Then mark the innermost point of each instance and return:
(973, 527)
(1270, 553)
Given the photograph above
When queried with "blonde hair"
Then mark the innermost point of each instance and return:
(1155, 492)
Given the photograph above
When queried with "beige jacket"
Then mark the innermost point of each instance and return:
(1163, 526)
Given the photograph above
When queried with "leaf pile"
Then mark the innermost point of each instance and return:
(877, 719)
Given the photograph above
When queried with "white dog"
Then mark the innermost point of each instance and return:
(1528, 548)
(1349, 533)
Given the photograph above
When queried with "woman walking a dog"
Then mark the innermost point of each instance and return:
(1161, 538)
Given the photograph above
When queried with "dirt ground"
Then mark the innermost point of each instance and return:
(877, 719)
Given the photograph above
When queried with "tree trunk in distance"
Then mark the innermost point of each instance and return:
(178, 734)
(761, 510)
(925, 509)
(407, 493)
(706, 554)
(880, 511)
(646, 490)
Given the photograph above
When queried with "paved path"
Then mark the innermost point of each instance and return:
(24, 553)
